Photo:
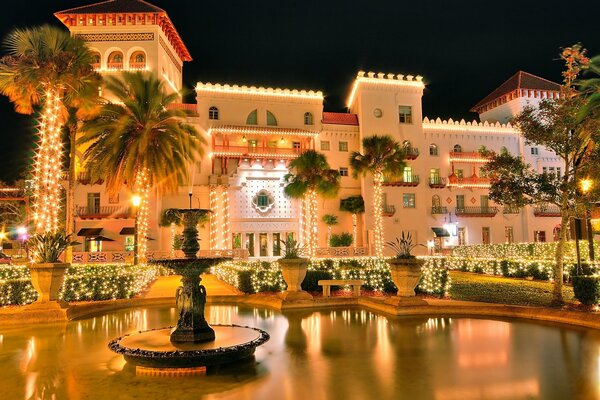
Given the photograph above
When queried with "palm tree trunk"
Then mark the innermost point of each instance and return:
(142, 188)
(378, 213)
(312, 222)
(557, 297)
(70, 222)
(354, 233)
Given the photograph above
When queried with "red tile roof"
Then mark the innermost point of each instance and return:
(520, 80)
(336, 118)
(133, 7)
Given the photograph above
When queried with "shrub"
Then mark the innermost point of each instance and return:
(587, 289)
(342, 240)
(311, 282)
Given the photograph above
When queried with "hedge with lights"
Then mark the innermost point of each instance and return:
(82, 282)
(537, 251)
(255, 276)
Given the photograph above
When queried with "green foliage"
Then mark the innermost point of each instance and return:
(178, 241)
(48, 247)
(353, 205)
(330, 219)
(381, 154)
(311, 281)
(175, 216)
(310, 171)
(587, 289)
(403, 246)
(344, 239)
(291, 248)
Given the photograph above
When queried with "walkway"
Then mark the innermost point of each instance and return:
(165, 286)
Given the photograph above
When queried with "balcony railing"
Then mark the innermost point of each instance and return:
(114, 66)
(511, 210)
(411, 153)
(190, 109)
(412, 180)
(439, 210)
(473, 181)
(476, 211)
(95, 66)
(93, 212)
(437, 182)
(389, 210)
(137, 66)
(259, 151)
(546, 210)
(468, 157)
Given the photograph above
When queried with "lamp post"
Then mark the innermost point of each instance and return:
(586, 186)
(136, 200)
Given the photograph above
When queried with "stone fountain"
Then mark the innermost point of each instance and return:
(192, 342)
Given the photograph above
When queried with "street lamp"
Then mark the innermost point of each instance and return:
(586, 185)
(136, 200)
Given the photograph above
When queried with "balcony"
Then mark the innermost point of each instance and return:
(84, 179)
(546, 210)
(476, 211)
(115, 66)
(511, 210)
(256, 152)
(189, 109)
(437, 182)
(101, 212)
(471, 182)
(411, 180)
(469, 157)
(436, 210)
(389, 210)
(137, 66)
(411, 153)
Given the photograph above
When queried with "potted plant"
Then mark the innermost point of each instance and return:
(405, 268)
(293, 268)
(47, 272)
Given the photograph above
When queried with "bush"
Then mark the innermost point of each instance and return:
(311, 282)
(341, 240)
(587, 289)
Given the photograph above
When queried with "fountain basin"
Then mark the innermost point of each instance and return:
(154, 348)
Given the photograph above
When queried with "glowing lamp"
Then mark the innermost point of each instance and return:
(136, 200)
(586, 185)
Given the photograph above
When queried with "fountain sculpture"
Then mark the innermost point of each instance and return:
(192, 342)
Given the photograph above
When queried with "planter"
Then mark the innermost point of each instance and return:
(47, 279)
(406, 274)
(294, 272)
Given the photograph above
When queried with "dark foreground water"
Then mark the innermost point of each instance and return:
(342, 354)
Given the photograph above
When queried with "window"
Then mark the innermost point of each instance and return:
(129, 243)
(405, 114)
(462, 236)
(486, 235)
(276, 244)
(558, 172)
(551, 170)
(459, 173)
(213, 113)
(252, 118)
(509, 234)
(343, 146)
(539, 236)
(262, 200)
(343, 171)
(264, 244)
(460, 201)
(436, 203)
(544, 170)
(96, 59)
(433, 149)
(115, 60)
(236, 240)
(308, 118)
(457, 148)
(407, 175)
(271, 120)
(296, 145)
(408, 200)
(325, 145)
(485, 202)
(93, 203)
(434, 176)
(137, 60)
(534, 151)
(250, 243)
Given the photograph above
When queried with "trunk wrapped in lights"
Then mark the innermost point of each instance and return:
(378, 211)
(142, 185)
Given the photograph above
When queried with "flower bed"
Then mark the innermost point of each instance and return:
(255, 276)
(82, 282)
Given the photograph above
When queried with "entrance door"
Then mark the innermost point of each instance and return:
(462, 236)
(485, 203)
(460, 202)
(276, 244)
(486, 235)
(263, 240)
(250, 243)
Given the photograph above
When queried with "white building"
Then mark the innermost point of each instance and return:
(252, 132)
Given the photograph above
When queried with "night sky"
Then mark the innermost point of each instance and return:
(462, 49)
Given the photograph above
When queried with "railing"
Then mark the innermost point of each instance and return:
(411, 153)
(92, 212)
(191, 109)
(468, 157)
(511, 210)
(412, 180)
(114, 66)
(95, 66)
(439, 210)
(127, 256)
(341, 252)
(389, 210)
(257, 151)
(546, 210)
(102, 257)
(138, 66)
(437, 182)
(473, 181)
(476, 211)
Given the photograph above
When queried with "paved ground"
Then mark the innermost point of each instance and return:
(165, 286)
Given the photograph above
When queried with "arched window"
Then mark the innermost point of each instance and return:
(433, 149)
(213, 113)
(457, 148)
(435, 201)
(271, 120)
(137, 60)
(96, 60)
(252, 118)
(308, 118)
(115, 60)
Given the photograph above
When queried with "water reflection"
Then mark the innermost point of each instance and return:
(349, 354)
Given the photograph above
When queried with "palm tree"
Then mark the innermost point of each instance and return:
(47, 66)
(329, 220)
(590, 87)
(382, 157)
(354, 205)
(138, 141)
(311, 176)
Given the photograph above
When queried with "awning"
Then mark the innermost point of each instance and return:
(89, 231)
(127, 231)
(98, 239)
(440, 232)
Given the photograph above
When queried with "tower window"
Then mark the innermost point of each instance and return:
(213, 113)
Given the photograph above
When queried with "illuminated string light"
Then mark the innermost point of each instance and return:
(378, 211)
(311, 238)
(213, 217)
(47, 170)
(142, 186)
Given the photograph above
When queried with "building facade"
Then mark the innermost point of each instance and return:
(253, 132)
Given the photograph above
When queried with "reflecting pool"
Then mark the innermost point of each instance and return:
(339, 354)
